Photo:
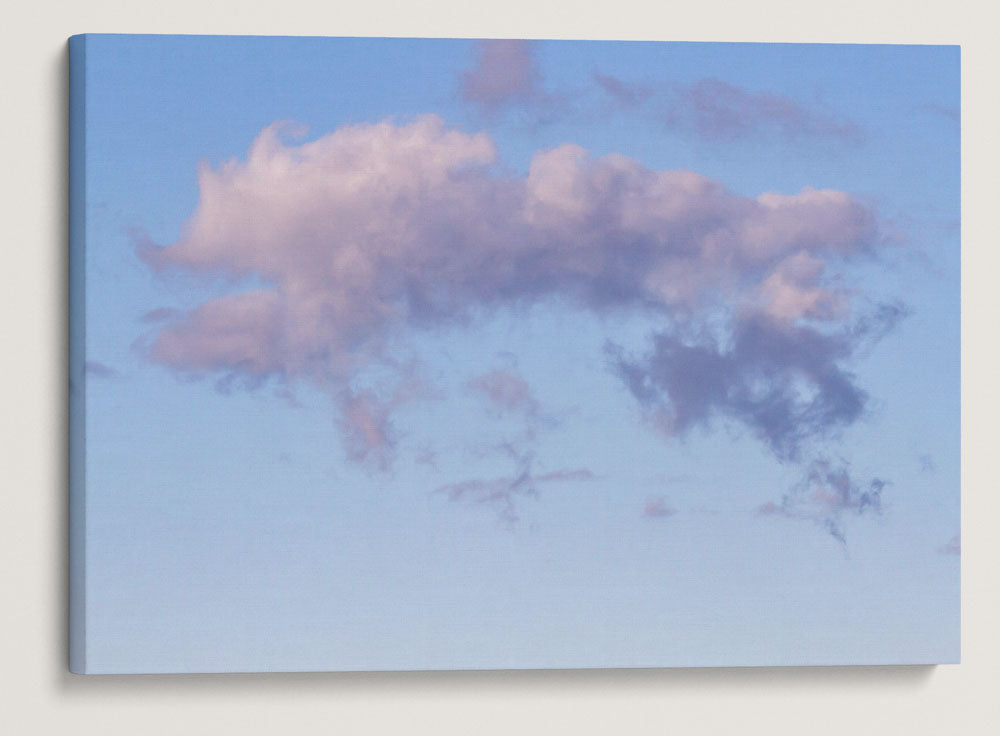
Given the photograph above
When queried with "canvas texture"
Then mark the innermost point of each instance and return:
(393, 354)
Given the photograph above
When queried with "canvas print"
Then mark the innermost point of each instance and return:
(394, 354)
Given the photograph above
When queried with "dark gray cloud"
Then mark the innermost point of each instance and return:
(786, 382)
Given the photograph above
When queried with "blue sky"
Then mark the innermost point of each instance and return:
(551, 354)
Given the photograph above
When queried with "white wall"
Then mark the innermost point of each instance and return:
(38, 695)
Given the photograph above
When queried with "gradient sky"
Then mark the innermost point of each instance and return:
(415, 354)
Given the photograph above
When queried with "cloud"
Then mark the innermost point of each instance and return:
(160, 314)
(951, 113)
(657, 508)
(327, 249)
(716, 110)
(505, 73)
(100, 370)
(783, 380)
(506, 390)
(366, 430)
(565, 474)
(427, 456)
(826, 495)
(621, 92)
(506, 82)
(952, 547)
(502, 493)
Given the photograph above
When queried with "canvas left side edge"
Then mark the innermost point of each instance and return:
(77, 356)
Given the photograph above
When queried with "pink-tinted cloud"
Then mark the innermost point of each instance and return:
(658, 508)
(506, 390)
(366, 430)
(374, 227)
(717, 110)
(504, 73)
(952, 547)
(794, 290)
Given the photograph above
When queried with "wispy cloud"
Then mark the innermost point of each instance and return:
(367, 430)
(503, 493)
(952, 547)
(718, 111)
(100, 370)
(951, 113)
(621, 92)
(827, 495)
(658, 508)
(506, 390)
(371, 228)
(160, 314)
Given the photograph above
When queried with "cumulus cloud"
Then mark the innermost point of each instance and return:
(504, 73)
(827, 495)
(328, 248)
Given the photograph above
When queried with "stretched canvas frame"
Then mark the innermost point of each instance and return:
(431, 353)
